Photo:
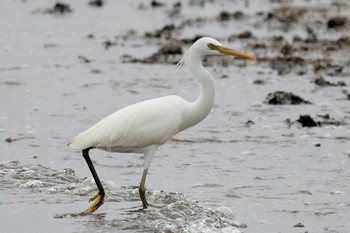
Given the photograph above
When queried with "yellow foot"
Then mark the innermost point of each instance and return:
(98, 200)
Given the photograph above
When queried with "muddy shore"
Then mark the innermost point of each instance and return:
(272, 156)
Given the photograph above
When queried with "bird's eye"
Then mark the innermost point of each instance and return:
(210, 45)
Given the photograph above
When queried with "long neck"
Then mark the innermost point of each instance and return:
(201, 107)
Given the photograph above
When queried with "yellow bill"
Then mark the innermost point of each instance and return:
(231, 52)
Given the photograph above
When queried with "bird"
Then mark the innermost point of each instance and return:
(144, 126)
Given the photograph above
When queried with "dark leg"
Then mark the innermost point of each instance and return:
(98, 198)
(142, 189)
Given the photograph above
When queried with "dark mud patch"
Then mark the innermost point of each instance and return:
(109, 43)
(171, 49)
(226, 15)
(169, 53)
(317, 121)
(242, 36)
(300, 56)
(12, 83)
(321, 81)
(299, 225)
(307, 121)
(59, 8)
(165, 32)
(302, 47)
(96, 3)
(337, 22)
(11, 139)
(84, 59)
(191, 40)
(282, 98)
(285, 16)
(285, 65)
(156, 4)
(259, 82)
(304, 39)
(328, 67)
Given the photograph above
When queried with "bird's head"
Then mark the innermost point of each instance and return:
(209, 46)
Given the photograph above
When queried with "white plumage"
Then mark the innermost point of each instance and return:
(128, 130)
(144, 126)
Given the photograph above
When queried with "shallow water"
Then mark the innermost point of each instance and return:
(223, 175)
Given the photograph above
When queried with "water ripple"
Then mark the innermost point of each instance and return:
(170, 212)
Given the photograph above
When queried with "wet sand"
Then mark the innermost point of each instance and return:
(250, 166)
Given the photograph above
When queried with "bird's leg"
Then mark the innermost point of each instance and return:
(98, 198)
(142, 190)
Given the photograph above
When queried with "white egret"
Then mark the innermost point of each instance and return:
(144, 126)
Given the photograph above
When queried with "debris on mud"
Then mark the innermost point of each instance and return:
(225, 15)
(259, 82)
(282, 98)
(96, 71)
(320, 81)
(84, 59)
(242, 36)
(171, 48)
(60, 8)
(90, 36)
(164, 33)
(299, 225)
(11, 83)
(296, 57)
(191, 40)
(307, 121)
(285, 65)
(155, 3)
(295, 54)
(326, 66)
(50, 46)
(249, 123)
(336, 22)
(331, 121)
(108, 43)
(96, 3)
(175, 11)
(166, 54)
(10, 139)
(285, 16)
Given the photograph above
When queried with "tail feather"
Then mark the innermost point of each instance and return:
(78, 143)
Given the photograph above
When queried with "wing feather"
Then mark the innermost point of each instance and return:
(151, 122)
